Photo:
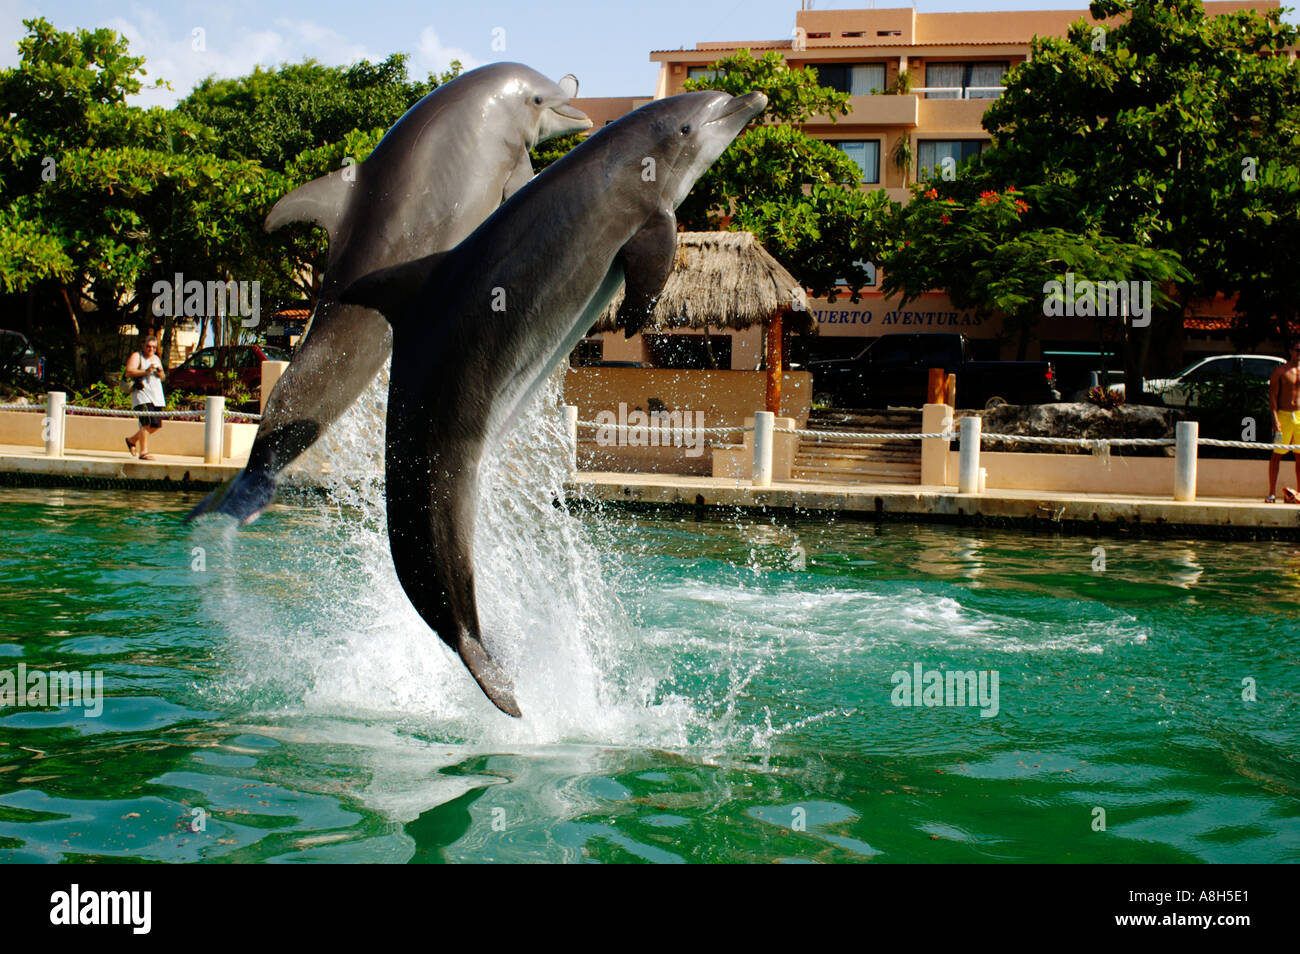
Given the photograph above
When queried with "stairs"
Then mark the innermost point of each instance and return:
(847, 461)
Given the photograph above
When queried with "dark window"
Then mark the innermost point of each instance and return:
(931, 153)
(1259, 367)
(690, 351)
(857, 79)
(979, 80)
(866, 153)
(588, 351)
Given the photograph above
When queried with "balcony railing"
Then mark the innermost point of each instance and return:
(958, 92)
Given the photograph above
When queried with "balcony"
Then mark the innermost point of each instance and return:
(875, 110)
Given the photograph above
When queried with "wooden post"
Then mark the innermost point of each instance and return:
(934, 387)
(775, 365)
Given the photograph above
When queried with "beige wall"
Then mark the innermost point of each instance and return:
(81, 433)
(724, 397)
(1084, 473)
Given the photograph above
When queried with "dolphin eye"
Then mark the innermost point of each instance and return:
(537, 100)
(686, 130)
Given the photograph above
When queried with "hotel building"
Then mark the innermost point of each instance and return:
(955, 63)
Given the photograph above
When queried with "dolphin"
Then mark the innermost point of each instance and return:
(440, 171)
(477, 330)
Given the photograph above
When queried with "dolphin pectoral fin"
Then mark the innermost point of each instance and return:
(491, 678)
(648, 259)
(322, 201)
(519, 176)
(390, 291)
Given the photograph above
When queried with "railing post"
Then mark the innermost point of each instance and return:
(54, 421)
(213, 428)
(764, 422)
(571, 432)
(968, 466)
(1185, 460)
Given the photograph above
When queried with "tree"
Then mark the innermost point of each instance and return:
(1161, 130)
(102, 197)
(800, 196)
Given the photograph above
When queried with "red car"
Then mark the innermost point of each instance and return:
(198, 375)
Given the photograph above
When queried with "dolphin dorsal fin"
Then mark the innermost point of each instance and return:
(390, 291)
(322, 201)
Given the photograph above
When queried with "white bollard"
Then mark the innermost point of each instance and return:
(571, 431)
(214, 409)
(54, 419)
(764, 422)
(1185, 460)
(968, 461)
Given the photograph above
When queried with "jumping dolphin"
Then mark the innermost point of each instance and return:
(440, 171)
(478, 329)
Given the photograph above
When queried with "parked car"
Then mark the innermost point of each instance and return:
(18, 355)
(1180, 390)
(198, 375)
(892, 370)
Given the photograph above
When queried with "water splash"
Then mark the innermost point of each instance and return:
(318, 623)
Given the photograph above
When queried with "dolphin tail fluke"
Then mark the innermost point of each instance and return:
(322, 201)
(244, 497)
(491, 678)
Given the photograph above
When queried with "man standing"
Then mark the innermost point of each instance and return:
(146, 370)
(1284, 402)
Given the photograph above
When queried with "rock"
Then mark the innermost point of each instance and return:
(1085, 421)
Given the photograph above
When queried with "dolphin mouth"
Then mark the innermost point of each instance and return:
(577, 115)
(751, 104)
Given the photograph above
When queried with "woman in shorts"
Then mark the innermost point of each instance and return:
(145, 369)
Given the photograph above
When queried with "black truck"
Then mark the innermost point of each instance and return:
(893, 371)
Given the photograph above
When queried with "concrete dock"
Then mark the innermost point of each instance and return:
(1221, 517)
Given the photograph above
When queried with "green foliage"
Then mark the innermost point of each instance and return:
(1145, 139)
(793, 94)
(800, 196)
(547, 152)
(1240, 393)
(272, 116)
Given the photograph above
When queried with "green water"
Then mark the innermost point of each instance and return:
(725, 695)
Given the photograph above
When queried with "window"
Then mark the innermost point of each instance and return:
(866, 153)
(856, 79)
(1260, 367)
(701, 73)
(932, 152)
(588, 351)
(690, 351)
(205, 359)
(956, 79)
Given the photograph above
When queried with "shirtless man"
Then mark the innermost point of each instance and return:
(1284, 402)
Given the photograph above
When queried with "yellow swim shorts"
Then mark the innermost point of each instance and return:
(1290, 431)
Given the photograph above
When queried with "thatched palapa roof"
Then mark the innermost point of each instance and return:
(724, 280)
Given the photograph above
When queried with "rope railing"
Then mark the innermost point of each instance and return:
(80, 411)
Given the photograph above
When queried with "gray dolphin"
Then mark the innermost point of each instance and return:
(478, 329)
(440, 171)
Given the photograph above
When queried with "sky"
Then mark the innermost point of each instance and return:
(605, 42)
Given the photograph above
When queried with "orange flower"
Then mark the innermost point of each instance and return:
(944, 220)
(1022, 205)
(932, 193)
(1011, 190)
(988, 197)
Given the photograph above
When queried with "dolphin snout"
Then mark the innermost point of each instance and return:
(750, 105)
